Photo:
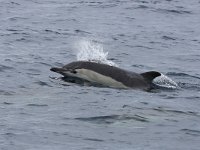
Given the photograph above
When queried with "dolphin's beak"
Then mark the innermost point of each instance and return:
(58, 70)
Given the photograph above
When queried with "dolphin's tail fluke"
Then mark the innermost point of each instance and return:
(149, 76)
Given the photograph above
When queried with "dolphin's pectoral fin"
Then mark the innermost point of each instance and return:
(149, 76)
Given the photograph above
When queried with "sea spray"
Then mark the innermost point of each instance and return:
(165, 82)
(89, 50)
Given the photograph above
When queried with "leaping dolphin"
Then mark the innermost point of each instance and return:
(106, 75)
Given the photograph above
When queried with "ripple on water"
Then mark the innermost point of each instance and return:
(37, 105)
(173, 11)
(191, 132)
(176, 112)
(110, 119)
(51, 31)
(81, 31)
(7, 103)
(6, 93)
(4, 68)
(33, 71)
(93, 139)
(9, 134)
(189, 82)
(165, 37)
(42, 83)
(182, 75)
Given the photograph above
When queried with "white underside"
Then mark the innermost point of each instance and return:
(95, 77)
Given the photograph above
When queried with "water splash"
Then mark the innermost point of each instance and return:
(165, 82)
(89, 50)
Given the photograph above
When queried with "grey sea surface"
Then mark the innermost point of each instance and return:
(39, 111)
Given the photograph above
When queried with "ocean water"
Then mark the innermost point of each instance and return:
(40, 111)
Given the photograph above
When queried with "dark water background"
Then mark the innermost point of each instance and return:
(38, 112)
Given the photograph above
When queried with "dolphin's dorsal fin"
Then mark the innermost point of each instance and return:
(149, 76)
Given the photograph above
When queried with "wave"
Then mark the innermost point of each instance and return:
(110, 119)
(187, 81)
(182, 75)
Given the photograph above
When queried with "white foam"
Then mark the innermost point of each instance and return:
(92, 51)
(165, 81)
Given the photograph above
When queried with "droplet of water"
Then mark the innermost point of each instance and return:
(89, 50)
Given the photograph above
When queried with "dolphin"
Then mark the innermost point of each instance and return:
(107, 75)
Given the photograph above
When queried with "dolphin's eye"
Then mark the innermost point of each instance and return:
(74, 71)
